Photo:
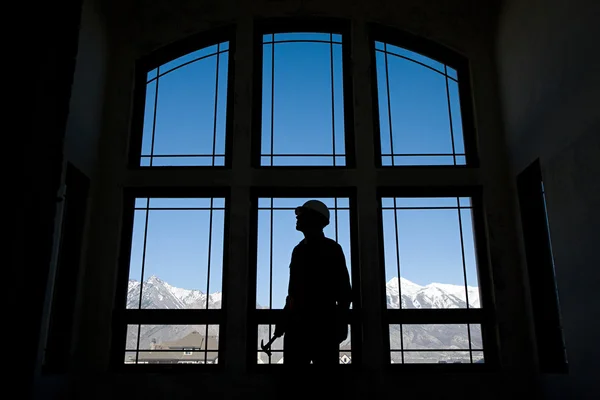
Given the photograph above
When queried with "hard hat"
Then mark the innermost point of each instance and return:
(317, 206)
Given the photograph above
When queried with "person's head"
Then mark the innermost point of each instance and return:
(312, 217)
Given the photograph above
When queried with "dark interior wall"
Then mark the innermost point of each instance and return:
(53, 31)
(548, 64)
(87, 98)
(135, 28)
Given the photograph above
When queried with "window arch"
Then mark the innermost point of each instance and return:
(422, 102)
(303, 94)
(182, 104)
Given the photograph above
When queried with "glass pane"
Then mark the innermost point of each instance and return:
(466, 216)
(418, 109)
(390, 259)
(130, 357)
(267, 98)
(452, 73)
(293, 202)
(302, 87)
(423, 160)
(430, 259)
(218, 202)
(430, 256)
(141, 202)
(476, 338)
(185, 114)
(219, 145)
(302, 69)
(180, 202)
(145, 161)
(263, 262)
(340, 161)
(437, 357)
(464, 201)
(426, 202)
(337, 99)
(204, 52)
(384, 125)
(266, 161)
(273, 273)
(343, 202)
(396, 357)
(177, 257)
(186, 110)
(152, 74)
(281, 161)
(478, 357)
(131, 340)
(432, 343)
(459, 144)
(264, 202)
(395, 337)
(186, 161)
(416, 56)
(148, 118)
(386, 161)
(346, 348)
(136, 259)
(435, 337)
(285, 238)
(302, 36)
(265, 332)
(387, 202)
(175, 344)
(461, 160)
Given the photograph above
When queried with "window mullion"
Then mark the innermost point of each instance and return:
(372, 298)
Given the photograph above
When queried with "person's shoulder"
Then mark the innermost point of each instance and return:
(299, 245)
(332, 244)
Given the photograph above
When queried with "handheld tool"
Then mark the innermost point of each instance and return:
(267, 347)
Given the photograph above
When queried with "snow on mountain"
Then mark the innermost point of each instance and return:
(157, 294)
(434, 295)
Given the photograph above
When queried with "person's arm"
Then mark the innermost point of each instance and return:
(343, 295)
(343, 289)
(281, 326)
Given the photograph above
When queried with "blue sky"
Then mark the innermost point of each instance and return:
(303, 122)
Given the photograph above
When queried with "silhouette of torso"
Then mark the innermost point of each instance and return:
(318, 277)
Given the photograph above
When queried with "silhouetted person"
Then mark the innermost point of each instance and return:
(318, 297)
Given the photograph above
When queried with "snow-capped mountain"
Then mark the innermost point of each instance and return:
(158, 294)
(434, 295)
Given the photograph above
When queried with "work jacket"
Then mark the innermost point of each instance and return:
(319, 287)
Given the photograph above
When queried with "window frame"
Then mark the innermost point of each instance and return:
(258, 317)
(485, 315)
(122, 317)
(548, 324)
(267, 26)
(442, 54)
(163, 55)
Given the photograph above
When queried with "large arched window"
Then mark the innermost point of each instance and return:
(415, 253)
